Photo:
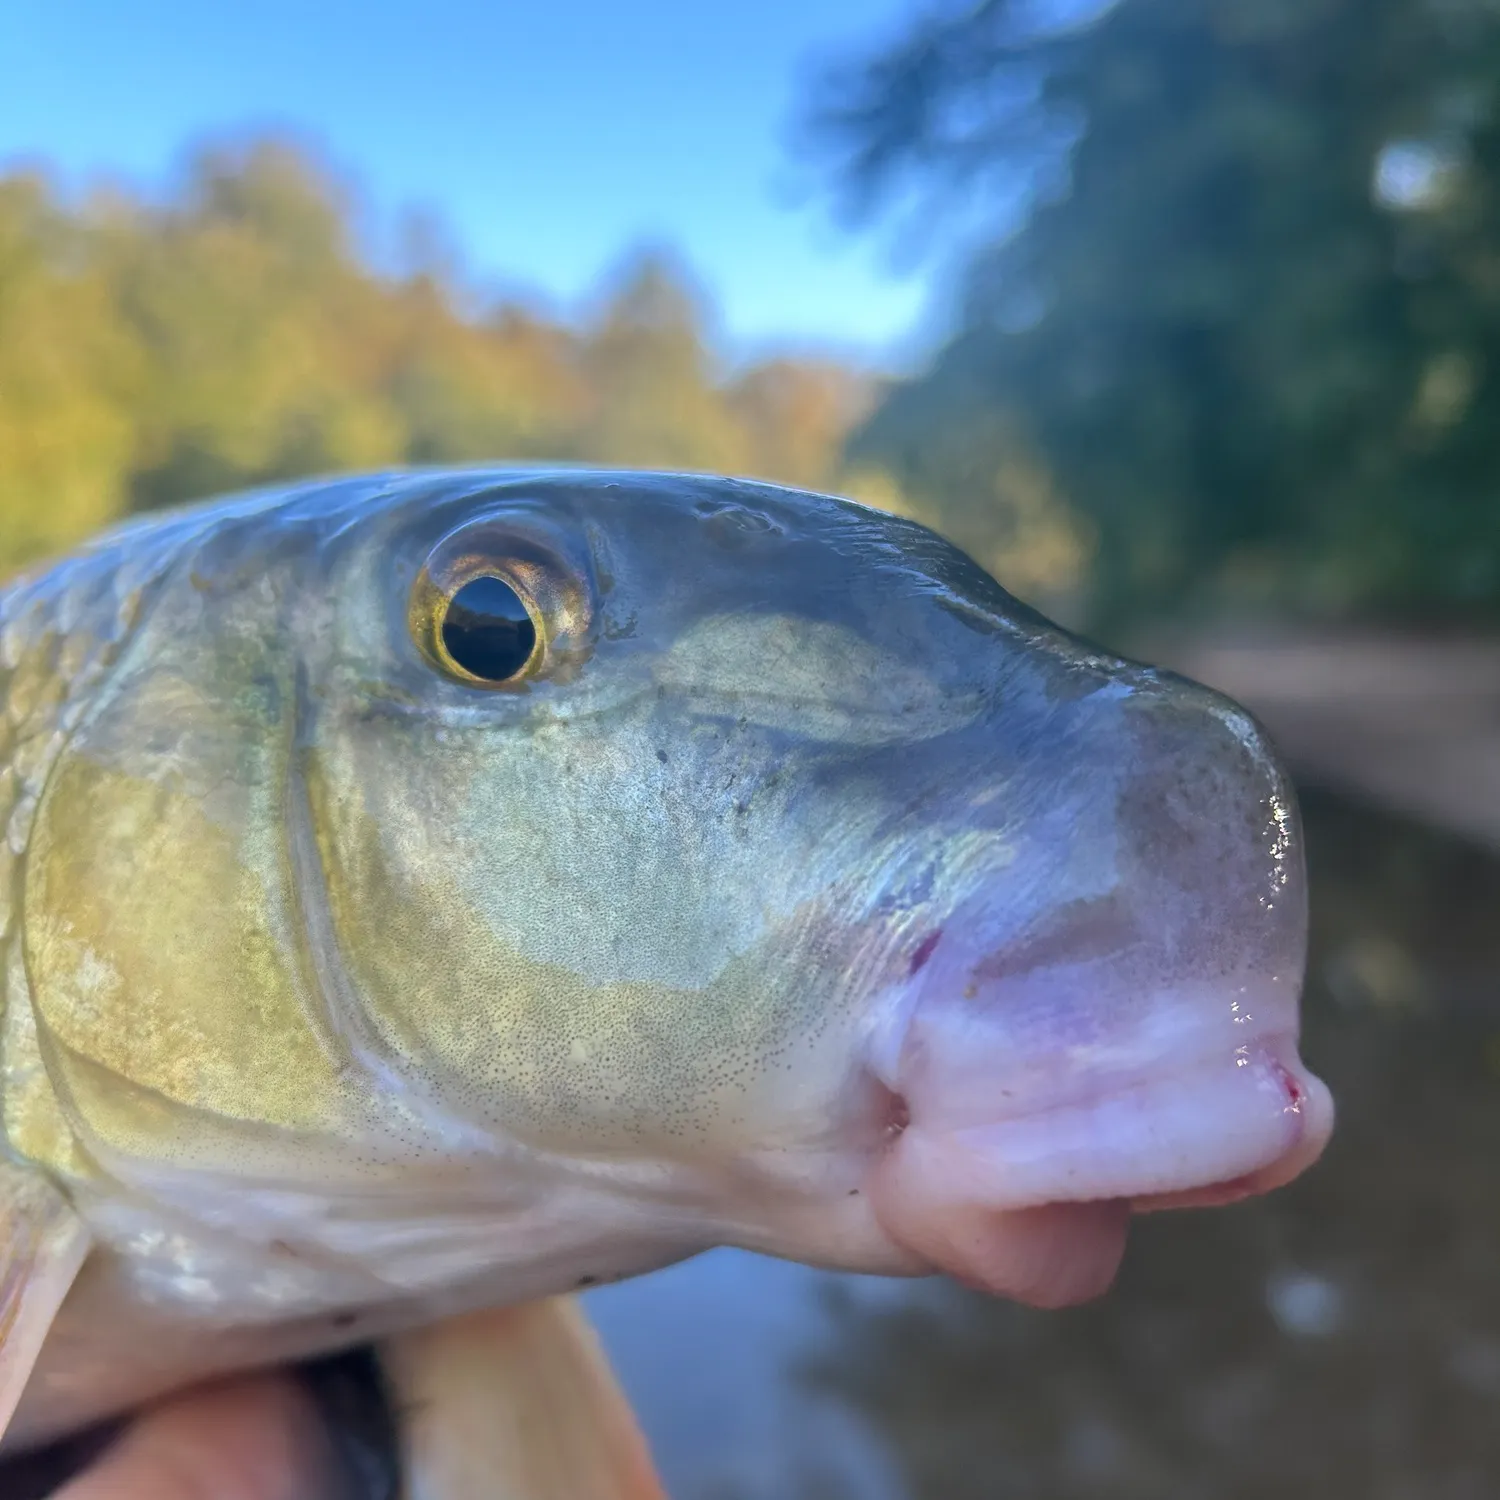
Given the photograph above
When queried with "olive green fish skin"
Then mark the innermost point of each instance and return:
(341, 989)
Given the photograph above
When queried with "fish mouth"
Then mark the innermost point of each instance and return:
(1036, 1204)
(1105, 1023)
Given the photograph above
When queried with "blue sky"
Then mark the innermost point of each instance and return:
(552, 135)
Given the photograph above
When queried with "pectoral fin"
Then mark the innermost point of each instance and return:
(518, 1404)
(42, 1244)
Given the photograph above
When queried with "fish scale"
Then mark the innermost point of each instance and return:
(62, 627)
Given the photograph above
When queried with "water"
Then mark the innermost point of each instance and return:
(1338, 1340)
(711, 1352)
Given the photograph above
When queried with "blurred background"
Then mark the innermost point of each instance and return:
(1182, 316)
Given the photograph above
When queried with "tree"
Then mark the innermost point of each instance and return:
(796, 413)
(647, 362)
(1251, 319)
(263, 334)
(69, 369)
(232, 332)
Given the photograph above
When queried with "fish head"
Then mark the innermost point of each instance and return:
(749, 855)
(802, 860)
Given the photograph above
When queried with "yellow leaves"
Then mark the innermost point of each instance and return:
(263, 338)
(1044, 546)
(1022, 531)
(156, 352)
(152, 353)
(655, 403)
(796, 414)
(68, 370)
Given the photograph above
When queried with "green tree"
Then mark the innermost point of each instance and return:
(1250, 321)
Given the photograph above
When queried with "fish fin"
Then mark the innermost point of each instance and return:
(43, 1242)
(515, 1404)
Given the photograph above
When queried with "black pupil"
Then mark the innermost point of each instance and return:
(487, 630)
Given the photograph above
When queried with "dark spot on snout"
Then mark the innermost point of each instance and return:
(584, 1281)
(661, 755)
(925, 950)
(344, 1319)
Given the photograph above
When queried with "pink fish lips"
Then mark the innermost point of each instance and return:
(1033, 1121)
(1037, 1207)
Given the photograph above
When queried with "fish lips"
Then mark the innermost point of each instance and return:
(1029, 1122)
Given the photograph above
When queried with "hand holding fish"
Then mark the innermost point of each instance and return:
(255, 1438)
(508, 1405)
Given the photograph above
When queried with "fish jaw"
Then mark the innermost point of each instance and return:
(1036, 1206)
(1127, 1043)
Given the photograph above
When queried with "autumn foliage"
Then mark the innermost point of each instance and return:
(154, 351)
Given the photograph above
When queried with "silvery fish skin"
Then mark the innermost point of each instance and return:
(808, 894)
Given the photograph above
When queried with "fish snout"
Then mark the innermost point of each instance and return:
(1127, 1040)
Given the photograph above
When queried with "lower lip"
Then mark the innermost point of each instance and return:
(1037, 1208)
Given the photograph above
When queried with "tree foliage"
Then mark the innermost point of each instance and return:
(156, 351)
(1250, 322)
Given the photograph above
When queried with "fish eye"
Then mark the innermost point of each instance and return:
(487, 630)
(499, 605)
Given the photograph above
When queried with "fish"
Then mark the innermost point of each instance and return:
(425, 895)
